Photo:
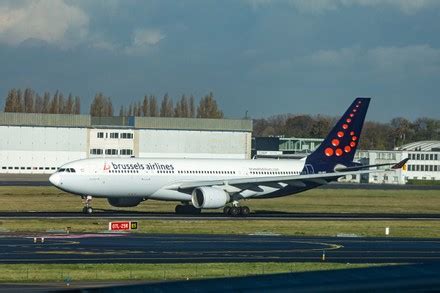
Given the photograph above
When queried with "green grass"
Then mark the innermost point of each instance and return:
(398, 228)
(152, 272)
(316, 200)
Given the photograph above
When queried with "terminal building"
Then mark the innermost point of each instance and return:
(41, 143)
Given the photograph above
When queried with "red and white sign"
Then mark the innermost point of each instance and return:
(122, 226)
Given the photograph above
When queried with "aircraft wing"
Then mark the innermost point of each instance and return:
(253, 183)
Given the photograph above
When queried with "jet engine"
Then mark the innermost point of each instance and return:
(209, 198)
(122, 202)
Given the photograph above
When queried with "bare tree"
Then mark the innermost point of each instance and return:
(68, 107)
(38, 107)
(145, 108)
(192, 107)
(77, 105)
(208, 108)
(28, 100)
(153, 106)
(46, 103)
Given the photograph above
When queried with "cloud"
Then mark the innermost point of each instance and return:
(143, 40)
(414, 61)
(54, 22)
(320, 6)
(147, 37)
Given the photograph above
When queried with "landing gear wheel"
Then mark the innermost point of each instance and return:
(234, 211)
(87, 209)
(245, 211)
(226, 210)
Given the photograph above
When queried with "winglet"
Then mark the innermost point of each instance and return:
(400, 164)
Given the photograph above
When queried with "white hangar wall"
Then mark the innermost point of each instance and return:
(41, 143)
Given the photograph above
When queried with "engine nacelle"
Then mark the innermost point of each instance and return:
(122, 202)
(209, 198)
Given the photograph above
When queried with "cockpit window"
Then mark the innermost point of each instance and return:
(69, 170)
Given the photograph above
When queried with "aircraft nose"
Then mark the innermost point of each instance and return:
(55, 179)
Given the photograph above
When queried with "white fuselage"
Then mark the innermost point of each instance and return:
(153, 178)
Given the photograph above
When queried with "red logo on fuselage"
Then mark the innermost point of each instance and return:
(106, 167)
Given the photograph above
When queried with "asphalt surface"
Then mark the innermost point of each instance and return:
(144, 248)
(258, 215)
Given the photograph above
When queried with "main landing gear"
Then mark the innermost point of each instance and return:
(236, 211)
(87, 209)
(187, 209)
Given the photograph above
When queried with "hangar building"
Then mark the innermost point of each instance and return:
(424, 158)
(40, 143)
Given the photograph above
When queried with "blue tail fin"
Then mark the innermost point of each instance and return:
(341, 143)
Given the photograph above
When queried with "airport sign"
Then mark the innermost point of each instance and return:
(122, 226)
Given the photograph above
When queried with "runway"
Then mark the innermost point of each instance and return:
(144, 248)
(256, 215)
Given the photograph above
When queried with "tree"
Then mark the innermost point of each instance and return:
(54, 106)
(38, 107)
(122, 111)
(153, 106)
(321, 126)
(298, 126)
(101, 106)
(77, 105)
(178, 110)
(166, 107)
(18, 102)
(10, 100)
(68, 107)
(184, 107)
(28, 100)
(192, 107)
(145, 108)
(130, 110)
(401, 130)
(135, 109)
(208, 108)
(46, 103)
(61, 103)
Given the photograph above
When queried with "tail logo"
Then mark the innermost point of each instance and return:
(340, 134)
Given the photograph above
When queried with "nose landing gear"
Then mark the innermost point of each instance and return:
(87, 209)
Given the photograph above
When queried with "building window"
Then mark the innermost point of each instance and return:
(114, 135)
(126, 152)
(418, 156)
(127, 135)
(96, 151)
(100, 135)
(111, 152)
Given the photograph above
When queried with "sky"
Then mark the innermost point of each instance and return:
(265, 57)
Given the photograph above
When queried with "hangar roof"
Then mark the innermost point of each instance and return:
(425, 145)
(67, 120)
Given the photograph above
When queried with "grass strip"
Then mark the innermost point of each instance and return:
(50, 199)
(399, 228)
(152, 272)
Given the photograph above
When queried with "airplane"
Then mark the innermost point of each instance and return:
(219, 183)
